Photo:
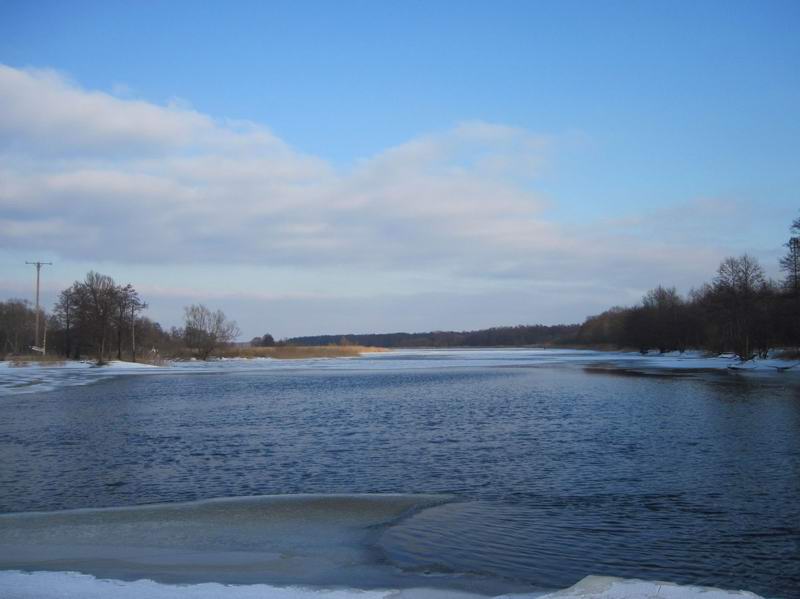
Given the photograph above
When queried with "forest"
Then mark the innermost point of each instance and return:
(739, 311)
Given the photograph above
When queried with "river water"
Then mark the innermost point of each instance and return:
(511, 470)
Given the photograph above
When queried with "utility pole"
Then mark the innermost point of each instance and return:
(38, 266)
(794, 253)
(133, 332)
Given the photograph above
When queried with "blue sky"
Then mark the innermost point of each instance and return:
(664, 135)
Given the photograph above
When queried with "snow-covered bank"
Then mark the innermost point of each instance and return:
(693, 360)
(48, 376)
(34, 377)
(71, 585)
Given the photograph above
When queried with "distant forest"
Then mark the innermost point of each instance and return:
(497, 336)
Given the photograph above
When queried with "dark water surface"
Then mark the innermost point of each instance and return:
(559, 472)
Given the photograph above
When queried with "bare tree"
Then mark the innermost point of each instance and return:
(740, 289)
(128, 304)
(662, 309)
(97, 298)
(66, 314)
(790, 263)
(16, 326)
(206, 330)
(790, 303)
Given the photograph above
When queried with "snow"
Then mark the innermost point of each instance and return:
(692, 360)
(607, 587)
(71, 585)
(33, 377)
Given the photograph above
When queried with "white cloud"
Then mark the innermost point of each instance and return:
(42, 110)
(86, 175)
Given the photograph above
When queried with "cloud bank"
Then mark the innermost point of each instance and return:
(86, 175)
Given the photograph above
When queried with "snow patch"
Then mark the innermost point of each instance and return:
(607, 587)
(71, 585)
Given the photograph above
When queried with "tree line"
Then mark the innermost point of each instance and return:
(739, 311)
(98, 318)
(493, 337)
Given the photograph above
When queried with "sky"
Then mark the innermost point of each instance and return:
(350, 167)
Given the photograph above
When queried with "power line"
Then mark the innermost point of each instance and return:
(38, 270)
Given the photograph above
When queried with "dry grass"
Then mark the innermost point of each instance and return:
(280, 352)
(21, 361)
(152, 360)
(295, 352)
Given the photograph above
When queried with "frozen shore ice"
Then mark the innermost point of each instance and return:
(270, 547)
(39, 377)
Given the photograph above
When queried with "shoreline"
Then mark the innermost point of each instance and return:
(22, 376)
(780, 359)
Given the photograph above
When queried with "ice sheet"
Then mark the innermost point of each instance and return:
(283, 539)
